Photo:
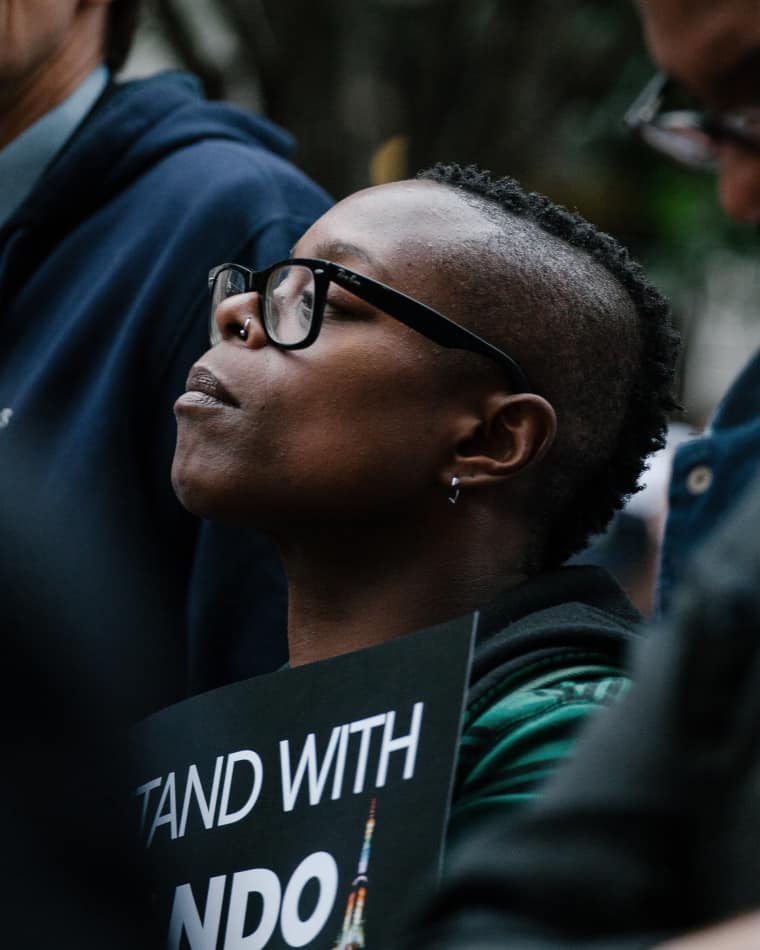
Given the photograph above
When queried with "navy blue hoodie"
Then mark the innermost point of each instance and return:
(103, 309)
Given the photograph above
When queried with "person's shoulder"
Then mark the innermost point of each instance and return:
(522, 734)
(246, 178)
(573, 618)
(554, 693)
(577, 596)
(161, 133)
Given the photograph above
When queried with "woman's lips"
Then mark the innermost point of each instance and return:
(204, 389)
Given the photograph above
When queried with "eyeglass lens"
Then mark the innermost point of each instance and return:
(227, 283)
(681, 135)
(289, 304)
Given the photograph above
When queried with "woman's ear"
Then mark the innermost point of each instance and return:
(514, 432)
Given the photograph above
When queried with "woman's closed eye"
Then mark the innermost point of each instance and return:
(336, 309)
(305, 307)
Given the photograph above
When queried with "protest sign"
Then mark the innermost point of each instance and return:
(304, 808)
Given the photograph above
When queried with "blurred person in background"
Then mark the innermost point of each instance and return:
(115, 199)
(630, 547)
(702, 110)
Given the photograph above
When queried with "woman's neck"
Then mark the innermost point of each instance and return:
(366, 586)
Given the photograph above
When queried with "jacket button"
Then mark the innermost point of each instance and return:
(699, 479)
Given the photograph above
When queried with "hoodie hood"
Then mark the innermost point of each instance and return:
(137, 123)
(132, 127)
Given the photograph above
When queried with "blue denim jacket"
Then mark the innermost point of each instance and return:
(710, 474)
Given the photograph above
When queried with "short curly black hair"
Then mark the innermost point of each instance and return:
(593, 335)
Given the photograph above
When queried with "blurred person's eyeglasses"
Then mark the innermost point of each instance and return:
(665, 118)
(293, 300)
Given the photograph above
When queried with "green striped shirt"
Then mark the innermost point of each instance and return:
(512, 744)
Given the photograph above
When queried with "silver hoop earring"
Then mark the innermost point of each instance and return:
(243, 331)
(454, 495)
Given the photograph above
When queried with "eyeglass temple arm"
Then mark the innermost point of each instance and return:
(436, 326)
(647, 104)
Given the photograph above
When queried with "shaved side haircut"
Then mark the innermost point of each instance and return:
(593, 335)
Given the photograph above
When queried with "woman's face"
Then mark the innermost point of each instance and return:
(355, 426)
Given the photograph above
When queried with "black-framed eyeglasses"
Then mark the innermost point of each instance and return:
(664, 118)
(292, 301)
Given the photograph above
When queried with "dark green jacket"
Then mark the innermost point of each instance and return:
(548, 654)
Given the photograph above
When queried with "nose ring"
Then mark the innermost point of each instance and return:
(243, 331)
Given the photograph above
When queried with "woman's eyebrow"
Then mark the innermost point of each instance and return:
(342, 249)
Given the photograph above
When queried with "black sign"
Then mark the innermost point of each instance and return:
(303, 808)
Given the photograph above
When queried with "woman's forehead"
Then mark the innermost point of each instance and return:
(377, 225)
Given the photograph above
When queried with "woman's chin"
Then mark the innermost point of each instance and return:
(191, 499)
(212, 501)
(193, 493)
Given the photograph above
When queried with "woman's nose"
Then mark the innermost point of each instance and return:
(739, 182)
(239, 317)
